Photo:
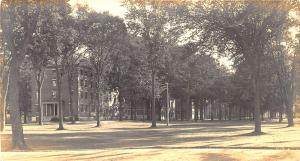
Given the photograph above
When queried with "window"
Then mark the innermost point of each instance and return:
(85, 83)
(86, 95)
(81, 95)
(81, 109)
(86, 108)
(81, 72)
(92, 96)
(54, 82)
(91, 84)
(53, 94)
(81, 82)
(93, 108)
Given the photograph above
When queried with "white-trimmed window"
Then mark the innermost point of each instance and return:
(54, 82)
(85, 83)
(53, 94)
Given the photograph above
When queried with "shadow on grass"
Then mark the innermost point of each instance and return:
(217, 157)
(142, 138)
(252, 134)
(223, 147)
(282, 156)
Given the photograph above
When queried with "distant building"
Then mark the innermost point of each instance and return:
(84, 97)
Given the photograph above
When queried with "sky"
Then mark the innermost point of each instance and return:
(113, 6)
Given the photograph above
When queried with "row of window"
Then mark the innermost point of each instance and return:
(84, 95)
(84, 108)
(83, 72)
(83, 83)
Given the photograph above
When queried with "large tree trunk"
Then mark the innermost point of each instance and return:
(153, 99)
(202, 112)
(2, 110)
(98, 110)
(220, 111)
(158, 111)
(3, 103)
(25, 117)
(182, 111)
(291, 97)
(212, 110)
(289, 112)
(257, 119)
(230, 111)
(15, 117)
(148, 108)
(131, 110)
(39, 89)
(240, 113)
(176, 108)
(188, 103)
(201, 105)
(60, 107)
(134, 105)
(144, 110)
(71, 99)
(280, 113)
(196, 107)
(120, 99)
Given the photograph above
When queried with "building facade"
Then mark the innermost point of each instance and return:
(83, 87)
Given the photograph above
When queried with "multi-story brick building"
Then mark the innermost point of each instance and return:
(84, 103)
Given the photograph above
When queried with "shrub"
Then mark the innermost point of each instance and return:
(54, 119)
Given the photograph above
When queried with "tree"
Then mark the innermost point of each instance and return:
(285, 65)
(192, 76)
(148, 21)
(25, 90)
(39, 56)
(70, 41)
(54, 26)
(103, 38)
(118, 75)
(4, 70)
(18, 23)
(251, 26)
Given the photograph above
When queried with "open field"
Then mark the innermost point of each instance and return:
(228, 140)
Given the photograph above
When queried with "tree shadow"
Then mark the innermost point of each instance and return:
(284, 155)
(217, 157)
(139, 138)
(251, 134)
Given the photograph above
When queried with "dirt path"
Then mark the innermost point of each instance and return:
(136, 141)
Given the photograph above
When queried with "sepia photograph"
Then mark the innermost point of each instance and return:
(150, 80)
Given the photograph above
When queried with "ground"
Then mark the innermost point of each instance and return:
(128, 140)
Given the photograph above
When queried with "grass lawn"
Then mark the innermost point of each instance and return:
(207, 140)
